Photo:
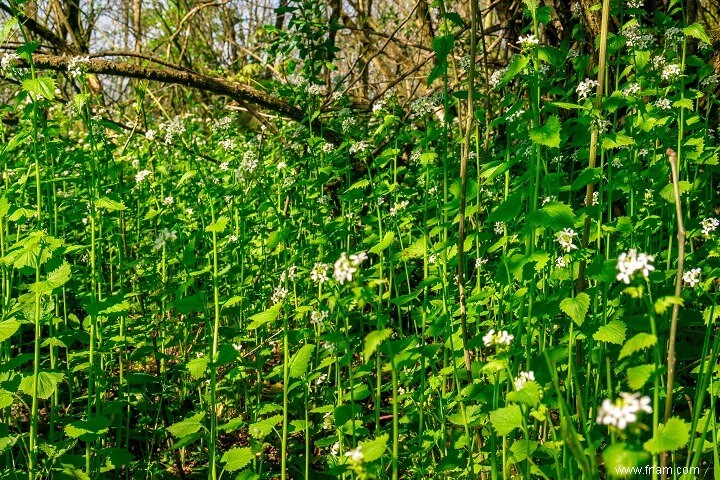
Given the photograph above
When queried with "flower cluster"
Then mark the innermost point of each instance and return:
(671, 71)
(496, 77)
(631, 90)
(636, 39)
(584, 88)
(346, 266)
(141, 175)
(624, 410)
(497, 339)
(278, 295)
(565, 239)
(164, 236)
(77, 66)
(709, 225)
(523, 378)
(692, 277)
(528, 41)
(398, 206)
(8, 60)
(632, 262)
(319, 273)
(318, 317)
(172, 129)
(499, 228)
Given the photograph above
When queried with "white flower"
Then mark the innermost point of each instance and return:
(596, 198)
(565, 239)
(500, 228)
(709, 81)
(232, 238)
(635, 3)
(359, 147)
(167, 201)
(584, 88)
(140, 176)
(631, 90)
(8, 60)
(671, 71)
(345, 267)
(692, 277)
(281, 165)
(631, 262)
(624, 410)
(228, 144)
(150, 134)
(528, 41)
(502, 338)
(560, 262)
(279, 294)
(78, 66)
(189, 212)
(317, 318)
(398, 206)
(674, 35)
(497, 77)
(662, 104)
(523, 378)
(355, 455)
(432, 259)
(479, 262)
(335, 449)
(709, 225)
(164, 236)
(315, 89)
(318, 274)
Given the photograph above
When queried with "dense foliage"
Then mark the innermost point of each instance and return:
(194, 296)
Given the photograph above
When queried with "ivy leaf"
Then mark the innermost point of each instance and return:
(638, 376)
(548, 134)
(613, 332)
(669, 437)
(639, 342)
(576, 308)
(237, 458)
(300, 361)
(505, 420)
(41, 86)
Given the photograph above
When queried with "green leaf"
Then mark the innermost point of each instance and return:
(416, 250)
(187, 427)
(261, 429)
(586, 177)
(6, 398)
(518, 63)
(521, 450)
(638, 376)
(576, 308)
(554, 215)
(505, 420)
(7, 29)
(384, 243)
(218, 226)
(59, 276)
(697, 30)
(359, 184)
(374, 449)
(639, 342)
(529, 394)
(8, 329)
(669, 437)
(109, 204)
(41, 86)
(197, 367)
(620, 457)
(548, 134)
(508, 210)
(47, 384)
(615, 140)
(373, 341)
(237, 458)
(300, 361)
(613, 332)
(88, 430)
(260, 319)
(668, 192)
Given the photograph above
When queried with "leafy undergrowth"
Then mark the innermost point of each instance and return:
(195, 299)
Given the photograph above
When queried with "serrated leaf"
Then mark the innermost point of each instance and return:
(109, 204)
(415, 250)
(41, 86)
(6, 398)
(187, 427)
(697, 30)
(237, 458)
(586, 177)
(59, 276)
(615, 140)
(638, 376)
(47, 384)
(87, 430)
(218, 226)
(576, 308)
(517, 64)
(197, 367)
(8, 329)
(384, 243)
(300, 361)
(357, 185)
(373, 341)
(374, 449)
(613, 332)
(260, 319)
(548, 134)
(669, 437)
(261, 429)
(505, 420)
(529, 394)
(639, 342)
(668, 192)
